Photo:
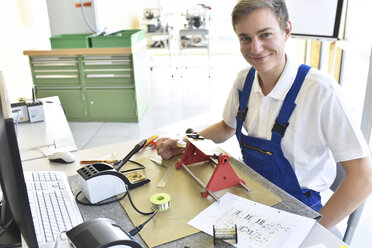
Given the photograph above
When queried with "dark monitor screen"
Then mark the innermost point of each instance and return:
(16, 215)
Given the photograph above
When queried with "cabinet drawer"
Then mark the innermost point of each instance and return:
(108, 64)
(107, 61)
(57, 80)
(109, 78)
(50, 70)
(71, 100)
(113, 104)
(57, 61)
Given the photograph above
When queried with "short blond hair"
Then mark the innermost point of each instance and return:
(245, 7)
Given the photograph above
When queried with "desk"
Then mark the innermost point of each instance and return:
(36, 140)
(317, 235)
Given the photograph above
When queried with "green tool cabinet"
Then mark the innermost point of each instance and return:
(94, 84)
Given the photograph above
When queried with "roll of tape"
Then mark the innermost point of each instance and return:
(225, 234)
(160, 201)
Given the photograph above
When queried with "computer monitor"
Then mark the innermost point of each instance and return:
(15, 217)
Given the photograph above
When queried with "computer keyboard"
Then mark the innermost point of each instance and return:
(52, 204)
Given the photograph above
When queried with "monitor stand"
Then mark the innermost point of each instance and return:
(10, 236)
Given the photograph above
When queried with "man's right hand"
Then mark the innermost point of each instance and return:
(167, 148)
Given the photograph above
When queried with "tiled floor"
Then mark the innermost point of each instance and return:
(182, 98)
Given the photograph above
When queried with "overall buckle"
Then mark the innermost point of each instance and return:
(242, 114)
(279, 128)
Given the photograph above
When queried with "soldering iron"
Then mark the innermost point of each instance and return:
(136, 148)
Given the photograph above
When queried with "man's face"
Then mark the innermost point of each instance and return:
(262, 40)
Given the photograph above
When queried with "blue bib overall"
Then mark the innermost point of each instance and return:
(266, 156)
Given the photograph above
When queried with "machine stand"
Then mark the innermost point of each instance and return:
(223, 176)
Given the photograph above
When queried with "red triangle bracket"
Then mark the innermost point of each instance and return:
(191, 155)
(223, 176)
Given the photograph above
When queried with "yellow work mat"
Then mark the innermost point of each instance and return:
(186, 200)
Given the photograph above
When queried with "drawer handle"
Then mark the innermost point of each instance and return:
(118, 62)
(108, 87)
(96, 57)
(51, 58)
(108, 76)
(39, 64)
(111, 70)
(59, 88)
(56, 76)
(40, 71)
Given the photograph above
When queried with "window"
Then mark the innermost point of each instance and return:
(356, 54)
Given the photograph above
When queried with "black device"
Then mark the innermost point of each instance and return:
(100, 233)
(15, 215)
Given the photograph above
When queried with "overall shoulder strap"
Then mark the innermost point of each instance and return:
(243, 101)
(289, 105)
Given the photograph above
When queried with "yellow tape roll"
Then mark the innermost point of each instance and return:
(160, 201)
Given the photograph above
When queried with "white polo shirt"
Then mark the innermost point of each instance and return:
(320, 131)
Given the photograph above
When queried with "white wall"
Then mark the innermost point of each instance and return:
(23, 26)
(117, 15)
(66, 18)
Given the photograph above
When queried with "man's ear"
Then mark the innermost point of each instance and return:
(288, 30)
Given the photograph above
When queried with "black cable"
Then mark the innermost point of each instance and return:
(131, 202)
(2, 231)
(134, 162)
(135, 230)
(99, 203)
(5, 228)
(115, 200)
(126, 171)
(137, 163)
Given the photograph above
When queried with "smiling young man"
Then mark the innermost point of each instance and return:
(294, 117)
